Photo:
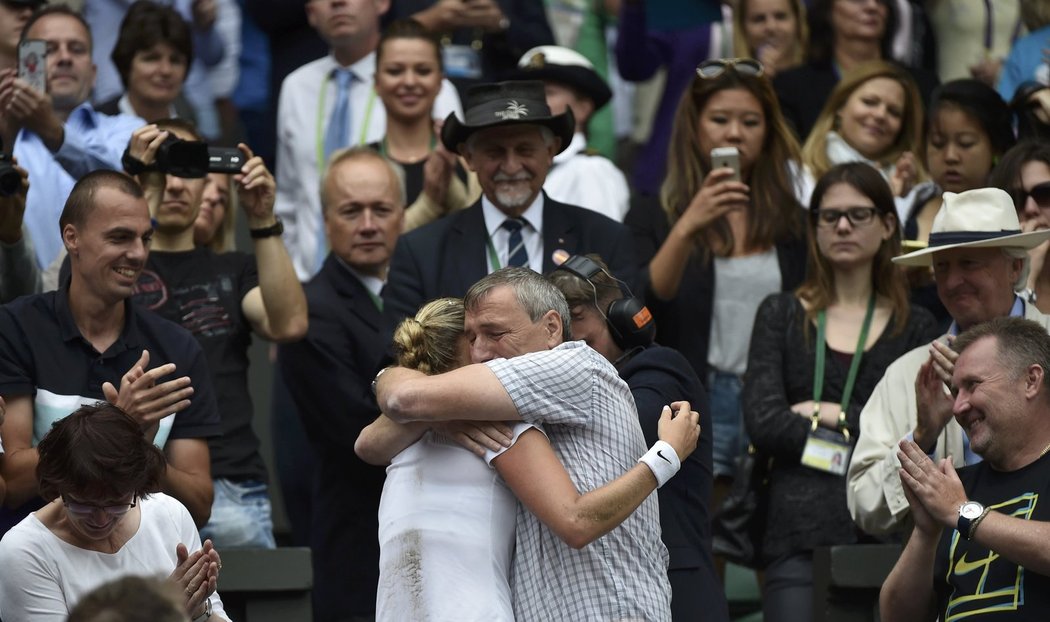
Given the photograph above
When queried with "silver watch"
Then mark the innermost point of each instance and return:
(207, 611)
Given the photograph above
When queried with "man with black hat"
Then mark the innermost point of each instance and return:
(979, 258)
(579, 176)
(509, 138)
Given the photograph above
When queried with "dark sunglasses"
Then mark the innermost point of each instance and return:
(857, 216)
(1040, 193)
(718, 66)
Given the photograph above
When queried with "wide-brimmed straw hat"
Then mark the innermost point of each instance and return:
(553, 63)
(515, 102)
(981, 218)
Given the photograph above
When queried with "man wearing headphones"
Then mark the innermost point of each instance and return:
(621, 329)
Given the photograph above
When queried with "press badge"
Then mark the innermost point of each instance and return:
(461, 61)
(827, 451)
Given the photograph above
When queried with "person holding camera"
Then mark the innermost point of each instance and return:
(222, 299)
(19, 274)
(56, 134)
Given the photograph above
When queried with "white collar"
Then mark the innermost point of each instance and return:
(124, 105)
(364, 69)
(373, 284)
(494, 216)
(840, 152)
(577, 145)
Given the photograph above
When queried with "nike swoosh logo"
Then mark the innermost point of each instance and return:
(964, 567)
(659, 452)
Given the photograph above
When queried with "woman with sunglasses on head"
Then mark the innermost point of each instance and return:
(843, 34)
(1024, 172)
(874, 115)
(708, 233)
(409, 74)
(105, 520)
(816, 355)
(968, 128)
(774, 32)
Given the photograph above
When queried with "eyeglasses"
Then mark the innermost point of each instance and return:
(718, 66)
(1040, 193)
(87, 509)
(857, 216)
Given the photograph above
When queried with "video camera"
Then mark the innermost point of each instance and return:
(188, 159)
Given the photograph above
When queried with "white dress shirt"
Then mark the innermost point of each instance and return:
(304, 106)
(590, 181)
(531, 233)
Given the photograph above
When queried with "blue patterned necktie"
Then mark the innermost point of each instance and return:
(336, 137)
(516, 253)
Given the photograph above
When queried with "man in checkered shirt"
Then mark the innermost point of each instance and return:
(590, 556)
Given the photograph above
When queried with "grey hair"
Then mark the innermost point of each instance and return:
(361, 152)
(545, 133)
(1014, 252)
(535, 294)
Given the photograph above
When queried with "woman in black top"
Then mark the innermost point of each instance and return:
(408, 78)
(853, 289)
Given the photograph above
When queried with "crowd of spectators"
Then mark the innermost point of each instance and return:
(779, 213)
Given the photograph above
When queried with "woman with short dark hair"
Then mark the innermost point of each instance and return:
(104, 520)
(152, 55)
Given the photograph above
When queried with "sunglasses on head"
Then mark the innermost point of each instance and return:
(1040, 193)
(718, 66)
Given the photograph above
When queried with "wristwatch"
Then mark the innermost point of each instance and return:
(968, 513)
(277, 228)
(207, 611)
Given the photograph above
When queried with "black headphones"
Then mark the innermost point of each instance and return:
(629, 320)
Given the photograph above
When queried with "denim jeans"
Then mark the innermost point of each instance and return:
(728, 435)
(240, 516)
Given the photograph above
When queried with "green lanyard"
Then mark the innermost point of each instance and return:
(493, 255)
(319, 134)
(818, 368)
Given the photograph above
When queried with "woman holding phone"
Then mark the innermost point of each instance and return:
(713, 229)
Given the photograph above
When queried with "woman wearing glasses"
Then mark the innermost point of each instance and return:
(104, 521)
(816, 354)
(1024, 172)
(874, 115)
(710, 232)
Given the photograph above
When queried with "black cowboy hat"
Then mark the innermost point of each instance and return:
(506, 103)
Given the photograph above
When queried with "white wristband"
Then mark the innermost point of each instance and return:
(662, 461)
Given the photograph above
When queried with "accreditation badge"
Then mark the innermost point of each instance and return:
(827, 451)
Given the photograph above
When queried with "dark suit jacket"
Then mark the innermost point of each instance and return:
(446, 257)
(329, 374)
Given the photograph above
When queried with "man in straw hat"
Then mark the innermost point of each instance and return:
(509, 138)
(579, 175)
(979, 257)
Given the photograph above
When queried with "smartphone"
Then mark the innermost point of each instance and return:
(32, 63)
(726, 157)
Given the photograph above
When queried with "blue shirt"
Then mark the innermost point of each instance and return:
(91, 141)
(1025, 59)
